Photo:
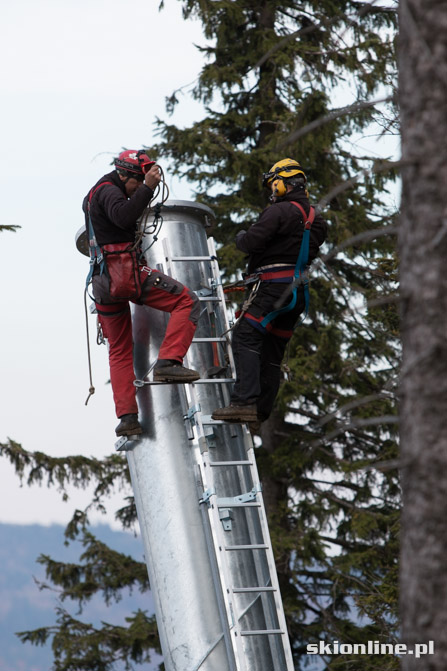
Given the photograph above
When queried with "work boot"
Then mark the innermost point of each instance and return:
(129, 426)
(236, 413)
(167, 370)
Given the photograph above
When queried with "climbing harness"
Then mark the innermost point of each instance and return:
(296, 276)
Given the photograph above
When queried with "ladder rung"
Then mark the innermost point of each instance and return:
(206, 419)
(210, 299)
(265, 632)
(231, 463)
(210, 380)
(253, 589)
(191, 258)
(238, 505)
(209, 339)
(214, 380)
(259, 546)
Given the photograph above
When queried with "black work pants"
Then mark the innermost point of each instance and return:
(258, 354)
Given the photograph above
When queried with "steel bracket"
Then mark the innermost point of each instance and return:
(242, 498)
(207, 494)
(226, 517)
(191, 412)
(204, 292)
(126, 443)
(215, 282)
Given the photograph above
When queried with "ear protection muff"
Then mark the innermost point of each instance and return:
(278, 188)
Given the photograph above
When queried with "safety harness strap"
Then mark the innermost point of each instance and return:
(299, 276)
(96, 255)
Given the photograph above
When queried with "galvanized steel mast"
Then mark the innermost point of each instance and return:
(216, 595)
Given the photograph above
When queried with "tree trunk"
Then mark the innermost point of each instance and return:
(423, 249)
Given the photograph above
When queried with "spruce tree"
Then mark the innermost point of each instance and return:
(327, 455)
(268, 86)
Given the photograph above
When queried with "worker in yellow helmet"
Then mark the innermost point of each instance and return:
(275, 258)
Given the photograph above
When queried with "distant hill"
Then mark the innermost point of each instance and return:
(23, 606)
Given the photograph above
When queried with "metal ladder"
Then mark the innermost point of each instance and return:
(219, 510)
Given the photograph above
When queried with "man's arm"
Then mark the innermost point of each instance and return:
(122, 211)
(257, 237)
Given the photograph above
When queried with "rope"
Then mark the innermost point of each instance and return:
(155, 227)
(91, 390)
(246, 304)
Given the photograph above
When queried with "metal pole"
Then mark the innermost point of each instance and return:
(163, 464)
(163, 473)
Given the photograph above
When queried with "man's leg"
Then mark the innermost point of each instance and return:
(247, 345)
(271, 358)
(164, 293)
(272, 354)
(117, 328)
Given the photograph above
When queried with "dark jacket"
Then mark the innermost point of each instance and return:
(114, 215)
(276, 236)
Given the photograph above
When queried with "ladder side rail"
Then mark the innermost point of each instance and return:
(280, 615)
(222, 303)
(217, 571)
(224, 574)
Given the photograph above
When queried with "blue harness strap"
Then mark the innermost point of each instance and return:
(299, 276)
(96, 255)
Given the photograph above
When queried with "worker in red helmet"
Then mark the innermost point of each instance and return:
(119, 275)
(273, 246)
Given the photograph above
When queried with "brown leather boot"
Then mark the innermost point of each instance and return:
(166, 370)
(236, 413)
(129, 426)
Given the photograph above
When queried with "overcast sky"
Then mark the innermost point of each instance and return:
(81, 79)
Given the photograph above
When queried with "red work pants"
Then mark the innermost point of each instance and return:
(161, 292)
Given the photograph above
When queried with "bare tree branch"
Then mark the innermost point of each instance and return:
(351, 405)
(333, 114)
(379, 166)
(367, 236)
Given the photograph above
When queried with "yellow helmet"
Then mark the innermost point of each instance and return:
(285, 169)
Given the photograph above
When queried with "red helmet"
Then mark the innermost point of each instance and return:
(133, 160)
